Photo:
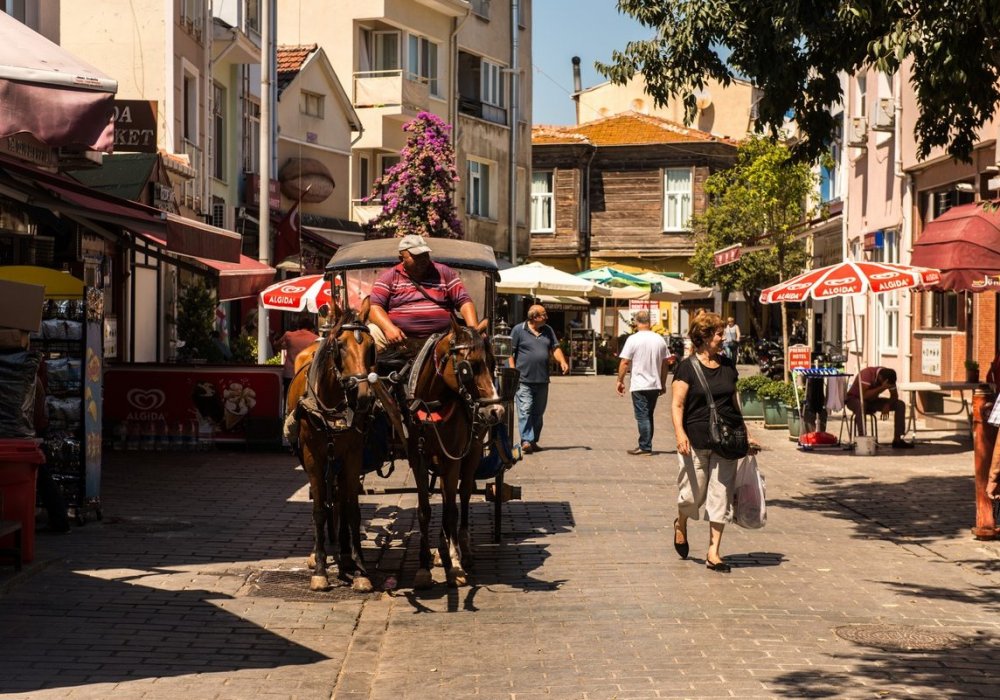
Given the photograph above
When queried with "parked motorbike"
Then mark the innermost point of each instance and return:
(770, 359)
(675, 346)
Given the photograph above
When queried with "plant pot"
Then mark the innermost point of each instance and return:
(794, 423)
(972, 376)
(775, 416)
(753, 409)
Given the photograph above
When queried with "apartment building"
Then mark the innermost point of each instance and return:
(449, 57)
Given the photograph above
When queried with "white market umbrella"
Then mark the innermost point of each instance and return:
(537, 278)
(687, 290)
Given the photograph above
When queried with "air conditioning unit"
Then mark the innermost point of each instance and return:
(858, 134)
(885, 114)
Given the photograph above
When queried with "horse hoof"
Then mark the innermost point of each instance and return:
(457, 578)
(361, 584)
(318, 583)
(423, 579)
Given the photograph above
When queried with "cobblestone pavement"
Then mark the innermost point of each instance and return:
(193, 584)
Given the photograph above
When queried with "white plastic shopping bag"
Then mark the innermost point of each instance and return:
(749, 506)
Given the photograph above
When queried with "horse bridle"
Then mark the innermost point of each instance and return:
(464, 375)
(344, 413)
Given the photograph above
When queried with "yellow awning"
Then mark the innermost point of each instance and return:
(58, 285)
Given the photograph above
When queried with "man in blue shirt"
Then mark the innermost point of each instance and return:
(532, 342)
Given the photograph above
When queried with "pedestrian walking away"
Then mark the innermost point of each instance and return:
(532, 343)
(731, 338)
(705, 479)
(645, 355)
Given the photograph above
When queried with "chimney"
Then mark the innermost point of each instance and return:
(577, 86)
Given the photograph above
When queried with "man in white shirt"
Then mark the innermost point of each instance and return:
(645, 353)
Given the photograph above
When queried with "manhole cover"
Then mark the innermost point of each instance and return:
(293, 586)
(901, 637)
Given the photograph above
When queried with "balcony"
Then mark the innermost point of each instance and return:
(362, 212)
(482, 110)
(390, 89)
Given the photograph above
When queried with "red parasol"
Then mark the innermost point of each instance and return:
(850, 278)
(298, 294)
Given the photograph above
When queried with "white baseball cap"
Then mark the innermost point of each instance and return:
(414, 243)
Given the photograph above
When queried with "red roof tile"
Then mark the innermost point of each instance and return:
(290, 60)
(625, 129)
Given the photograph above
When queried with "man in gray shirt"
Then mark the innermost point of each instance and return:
(532, 342)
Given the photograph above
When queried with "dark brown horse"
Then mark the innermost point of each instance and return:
(453, 403)
(330, 401)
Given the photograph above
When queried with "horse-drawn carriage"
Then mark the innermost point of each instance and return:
(446, 408)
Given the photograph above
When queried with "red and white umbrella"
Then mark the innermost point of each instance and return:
(850, 278)
(298, 294)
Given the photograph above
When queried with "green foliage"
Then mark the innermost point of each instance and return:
(244, 348)
(195, 322)
(794, 53)
(972, 365)
(782, 392)
(274, 360)
(760, 201)
(752, 382)
(417, 194)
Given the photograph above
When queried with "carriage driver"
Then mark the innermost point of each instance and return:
(415, 299)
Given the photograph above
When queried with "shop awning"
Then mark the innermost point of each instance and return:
(182, 236)
(964, 244)
(239, 280)
(58, 285)
(50, 94)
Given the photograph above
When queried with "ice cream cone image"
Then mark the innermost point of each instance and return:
(238, 402)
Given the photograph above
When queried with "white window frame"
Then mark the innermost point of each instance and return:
(493, 84)
(251, 134)
(888, 319)
(684, 197)
(860, 95)
(385, 163)
(377, 43)
(217, 146)
(480, 199)
(422, 62)
(311, 104)
(542, 201)
(191, 102)
(364, 177)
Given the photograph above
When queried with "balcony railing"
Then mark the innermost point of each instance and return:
(390, 88)
(362, 212)
(482, 110)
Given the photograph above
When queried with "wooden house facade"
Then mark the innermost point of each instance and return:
(620, 191)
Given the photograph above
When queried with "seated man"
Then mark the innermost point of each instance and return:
(873, 381)
(416, 298)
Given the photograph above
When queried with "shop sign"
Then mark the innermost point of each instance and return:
(219, 399)
(252, 195)
(930, 356)
(653, 307)
(135, 126)
(799, 357)
(874, 240)
(728, 255)
(26, 148)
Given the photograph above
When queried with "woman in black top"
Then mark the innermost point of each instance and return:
(705, 478)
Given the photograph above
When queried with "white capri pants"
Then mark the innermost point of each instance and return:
(705, 486)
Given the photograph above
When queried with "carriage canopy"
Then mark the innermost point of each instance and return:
(384, 252)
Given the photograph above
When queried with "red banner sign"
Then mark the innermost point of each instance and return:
(799, 356)
(728, 255)
(181, 401)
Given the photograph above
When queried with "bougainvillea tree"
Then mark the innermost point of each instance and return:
(417, 194)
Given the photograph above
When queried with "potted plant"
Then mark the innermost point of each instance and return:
(749, 399)
(971, 371)
(772, 396)
(792, 402)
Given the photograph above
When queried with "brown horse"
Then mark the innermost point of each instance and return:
(453, 403)
(330, 401)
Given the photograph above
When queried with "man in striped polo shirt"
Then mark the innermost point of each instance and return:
(417, 297)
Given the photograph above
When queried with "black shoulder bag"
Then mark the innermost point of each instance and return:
(728, 441)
